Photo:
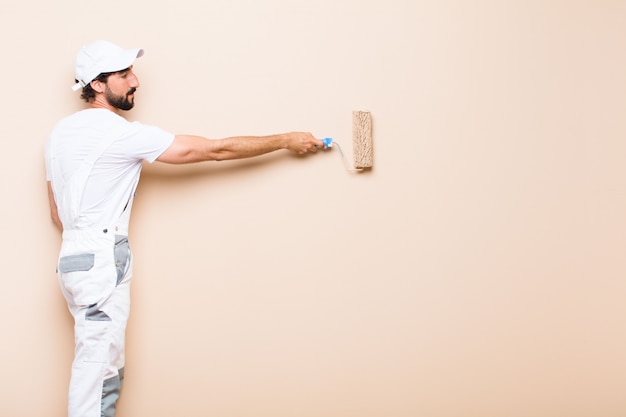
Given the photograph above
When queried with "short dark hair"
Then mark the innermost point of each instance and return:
(88, 94)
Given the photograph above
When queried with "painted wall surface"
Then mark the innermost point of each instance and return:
(477, 270)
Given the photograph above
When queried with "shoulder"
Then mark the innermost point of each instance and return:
(91, 118)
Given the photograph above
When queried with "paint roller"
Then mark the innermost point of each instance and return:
(361, 142)
(362, 139)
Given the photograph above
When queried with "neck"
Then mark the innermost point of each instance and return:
(99, 102)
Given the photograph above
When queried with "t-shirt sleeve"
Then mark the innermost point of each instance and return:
(147, 142)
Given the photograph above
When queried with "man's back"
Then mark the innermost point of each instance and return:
(114, 175)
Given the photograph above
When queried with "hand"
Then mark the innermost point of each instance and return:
(303, 142)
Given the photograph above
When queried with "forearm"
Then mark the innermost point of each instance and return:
(239, 147)
(188, 148)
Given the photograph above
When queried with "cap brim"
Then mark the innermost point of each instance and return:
(124, 60)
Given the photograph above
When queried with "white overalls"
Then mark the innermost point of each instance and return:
(94, 271)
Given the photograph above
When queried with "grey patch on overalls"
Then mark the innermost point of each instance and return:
(75, 263)
(122, 257)
(110, 393)
(93, 314)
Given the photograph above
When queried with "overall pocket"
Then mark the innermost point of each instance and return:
(122, 257)
(78, 262)
(79, 276)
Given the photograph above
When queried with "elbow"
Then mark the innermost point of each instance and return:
(193, 157)
(191, 149)
(219, 156)
(213, 153)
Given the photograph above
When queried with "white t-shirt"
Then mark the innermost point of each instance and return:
(116, 172)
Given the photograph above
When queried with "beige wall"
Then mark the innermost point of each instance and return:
(477, 270)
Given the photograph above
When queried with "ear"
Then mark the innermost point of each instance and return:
(97, 86)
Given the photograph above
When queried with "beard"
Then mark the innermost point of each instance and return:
(121, 102)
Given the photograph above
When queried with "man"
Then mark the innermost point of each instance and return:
(93, 164)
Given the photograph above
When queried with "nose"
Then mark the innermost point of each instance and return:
(133, 80)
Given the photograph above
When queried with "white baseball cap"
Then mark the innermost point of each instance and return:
(101, 57)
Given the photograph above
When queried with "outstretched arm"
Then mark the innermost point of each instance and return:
(187, 149)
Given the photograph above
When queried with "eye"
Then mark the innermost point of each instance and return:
(125, 73)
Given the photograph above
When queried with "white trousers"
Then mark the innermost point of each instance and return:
(95, 274)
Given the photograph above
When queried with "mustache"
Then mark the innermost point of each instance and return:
(131, 91)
